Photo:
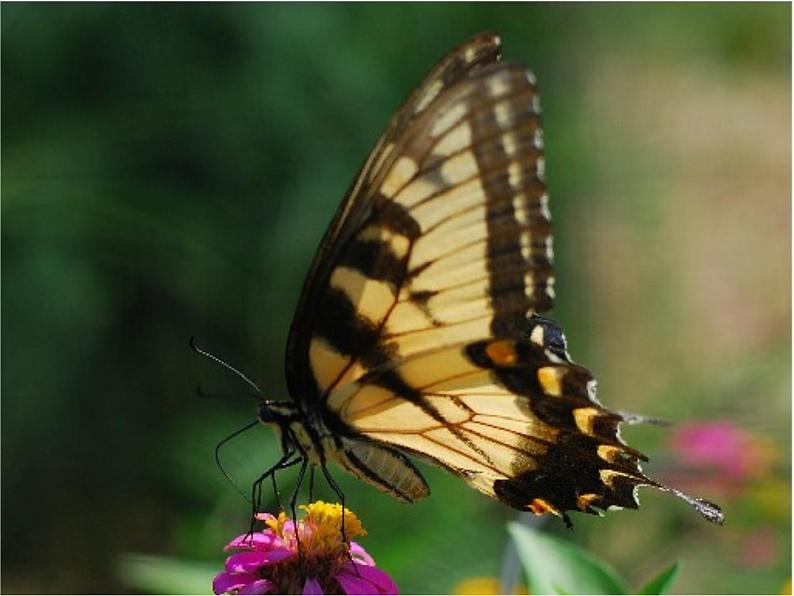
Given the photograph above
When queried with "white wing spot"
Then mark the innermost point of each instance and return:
(510, 144)
(538, 139)
(526, 245)
(541, 167)
(544, 207)
(503, 113)
(549, 249)
(515, 174)
(497, 87)
(519, 209)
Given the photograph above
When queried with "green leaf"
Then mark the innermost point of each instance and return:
(555, 566)
(662, 583)
(160, 575)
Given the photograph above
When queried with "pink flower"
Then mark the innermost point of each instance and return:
(737, 454)
(760, 548)
(267, 562)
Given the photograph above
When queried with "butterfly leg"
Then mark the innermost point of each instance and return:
(311, 484)
(276, 492)
(256, 488)
(335, 487)
(293, 501)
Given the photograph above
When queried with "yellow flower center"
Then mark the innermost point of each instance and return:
(320, 531)
(277, 524)
(324, 523)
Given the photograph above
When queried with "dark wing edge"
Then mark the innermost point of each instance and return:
(590, 466)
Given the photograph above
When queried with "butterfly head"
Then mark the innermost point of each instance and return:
(279, 413)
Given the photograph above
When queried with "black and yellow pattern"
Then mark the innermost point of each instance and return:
(418, 330)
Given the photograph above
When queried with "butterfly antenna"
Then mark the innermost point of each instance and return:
(218, 455)
(225, 365)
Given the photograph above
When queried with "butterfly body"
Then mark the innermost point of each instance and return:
(419, 330)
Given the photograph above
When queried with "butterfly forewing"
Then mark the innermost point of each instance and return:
(457, 244)
(481, 50)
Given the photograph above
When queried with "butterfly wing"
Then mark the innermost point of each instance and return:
(515, 418)
(444, 237)
(418, 326)
(480, 50)
(512, 418)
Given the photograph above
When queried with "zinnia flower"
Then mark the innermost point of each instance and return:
(268, 562)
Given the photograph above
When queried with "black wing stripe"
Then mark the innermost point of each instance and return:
(347, 332)
(376, 260)
(509, 308)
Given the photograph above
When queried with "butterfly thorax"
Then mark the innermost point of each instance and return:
(297, 434)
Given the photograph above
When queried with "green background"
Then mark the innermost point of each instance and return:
(168, 171)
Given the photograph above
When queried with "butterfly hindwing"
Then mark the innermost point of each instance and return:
(513, 419)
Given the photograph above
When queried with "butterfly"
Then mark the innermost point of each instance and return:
(419, 330)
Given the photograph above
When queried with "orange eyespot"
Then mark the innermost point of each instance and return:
(502, 353)
(583, 502)
(541, 506)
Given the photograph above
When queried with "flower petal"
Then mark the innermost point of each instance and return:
(279, 554)
(260, 586)
(312, 586)
(352, 584)
(247, 561)
(255, 541)
(226, 582)
(363, 579)
(252, 560)
(377, 577)
(359, 555)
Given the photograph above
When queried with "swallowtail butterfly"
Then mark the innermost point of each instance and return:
(418, 331)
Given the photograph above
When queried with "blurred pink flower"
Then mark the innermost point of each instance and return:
(760, 548)
(735, 453)
(267, 562)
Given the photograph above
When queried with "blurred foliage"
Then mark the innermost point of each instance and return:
(168, 170)
(555, 566)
